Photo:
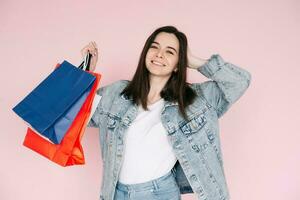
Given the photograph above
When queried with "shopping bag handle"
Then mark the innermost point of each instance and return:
(85, 65)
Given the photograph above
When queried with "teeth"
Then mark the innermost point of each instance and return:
(157, 63)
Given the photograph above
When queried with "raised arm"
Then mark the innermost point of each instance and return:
(228, 82)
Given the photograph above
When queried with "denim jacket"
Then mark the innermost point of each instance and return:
(195, 142)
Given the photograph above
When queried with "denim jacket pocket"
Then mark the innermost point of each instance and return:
(111, 122)
(194, 125)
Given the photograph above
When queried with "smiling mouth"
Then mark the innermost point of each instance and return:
(157, 63)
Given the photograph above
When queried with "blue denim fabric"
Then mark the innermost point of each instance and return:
(195, 141)
(162, 188)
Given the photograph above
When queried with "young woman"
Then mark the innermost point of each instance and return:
(159, 134)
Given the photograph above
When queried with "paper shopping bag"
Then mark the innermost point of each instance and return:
(69, 151)
(52, 106)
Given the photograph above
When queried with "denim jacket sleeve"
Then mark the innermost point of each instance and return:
(107, 94)
(94, 121)
(228, 83)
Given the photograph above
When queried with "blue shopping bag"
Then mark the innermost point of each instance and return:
(64, 122)
(52, 106)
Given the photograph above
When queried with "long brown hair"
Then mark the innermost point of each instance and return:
(176, 88)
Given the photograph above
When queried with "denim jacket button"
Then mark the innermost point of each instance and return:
(193, 177)
(196, 148)
(127, 120)
(171, 127)
(111, 121)
(210, 137)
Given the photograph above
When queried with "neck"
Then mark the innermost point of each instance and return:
(156, 85)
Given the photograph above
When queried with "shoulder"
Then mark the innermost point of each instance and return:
(205, 90)
(109, 92)
(112, 87)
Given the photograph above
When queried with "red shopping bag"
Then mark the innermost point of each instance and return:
(69, 151)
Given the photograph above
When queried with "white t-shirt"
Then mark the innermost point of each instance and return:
(147, 152)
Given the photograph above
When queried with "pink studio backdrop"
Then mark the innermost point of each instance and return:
(259, 134)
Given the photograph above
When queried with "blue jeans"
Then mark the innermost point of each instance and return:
(162, 188)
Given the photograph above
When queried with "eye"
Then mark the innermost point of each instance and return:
(170, 52)
(153, 47)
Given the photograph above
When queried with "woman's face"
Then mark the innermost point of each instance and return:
(162, 56)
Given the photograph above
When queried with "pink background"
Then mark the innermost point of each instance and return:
(259, 134)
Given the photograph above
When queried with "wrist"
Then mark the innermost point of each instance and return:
(195, 62)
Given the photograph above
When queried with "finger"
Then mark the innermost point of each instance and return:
(95, 44)
(95, 50)
(92, 43)
(89, 48)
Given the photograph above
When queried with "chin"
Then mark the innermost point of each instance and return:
(153, 73)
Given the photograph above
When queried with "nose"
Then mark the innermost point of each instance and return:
(159, 54)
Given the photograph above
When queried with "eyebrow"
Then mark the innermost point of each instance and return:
(167, 46)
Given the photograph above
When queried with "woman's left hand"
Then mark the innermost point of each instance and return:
(193, 61)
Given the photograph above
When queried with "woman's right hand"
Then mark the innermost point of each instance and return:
(92, 49)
